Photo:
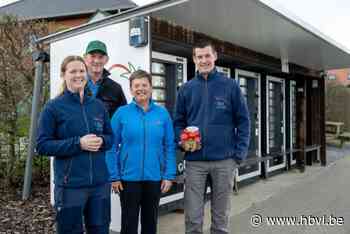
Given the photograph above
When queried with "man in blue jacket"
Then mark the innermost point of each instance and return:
(214, 104)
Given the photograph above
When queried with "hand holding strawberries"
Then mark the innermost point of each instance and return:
(190, 139)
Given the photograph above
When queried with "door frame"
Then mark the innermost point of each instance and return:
(291, 84)
(283, 149)
(252, 75)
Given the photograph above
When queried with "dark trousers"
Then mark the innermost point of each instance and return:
(138, 196)
(75, 206)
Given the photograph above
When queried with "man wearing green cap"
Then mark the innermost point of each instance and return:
(101, 86)
(112, 96)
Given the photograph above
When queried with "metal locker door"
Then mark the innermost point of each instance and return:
(276, 122)
(250, 86)
(250, 93)
(253, 105)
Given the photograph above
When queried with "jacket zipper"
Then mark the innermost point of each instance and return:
(144, 144)
(88, 129)
(205, 117)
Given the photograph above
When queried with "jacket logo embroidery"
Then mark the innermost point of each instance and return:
(156, 122)
(219, 103)
(98, 124)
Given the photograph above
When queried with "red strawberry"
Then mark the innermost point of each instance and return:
(184, 137)
(197, 139)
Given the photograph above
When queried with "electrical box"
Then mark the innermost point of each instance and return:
(138, 31)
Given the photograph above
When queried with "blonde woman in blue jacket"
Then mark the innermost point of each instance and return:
(75, 129)
(142, 161)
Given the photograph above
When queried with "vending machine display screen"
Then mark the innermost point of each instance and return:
(159, 95)
(158, 81)
(158, 68)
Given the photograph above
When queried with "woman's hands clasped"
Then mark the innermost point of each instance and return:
(91, 142)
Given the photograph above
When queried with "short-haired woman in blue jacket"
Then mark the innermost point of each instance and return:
(144, 165)
(74, 128)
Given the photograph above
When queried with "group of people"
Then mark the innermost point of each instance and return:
(102, 144)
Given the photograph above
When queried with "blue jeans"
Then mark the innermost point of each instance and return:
(91, 205)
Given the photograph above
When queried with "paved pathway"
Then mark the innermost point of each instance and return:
(317, 193)
(323, 194)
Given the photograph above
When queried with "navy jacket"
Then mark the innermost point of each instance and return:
(110, 93)
(63, 121)
(218, 108)
(144, 146)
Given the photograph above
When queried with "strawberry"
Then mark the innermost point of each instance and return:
(184, 137)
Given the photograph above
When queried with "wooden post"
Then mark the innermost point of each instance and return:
(323, 121)
(310, 120)
(301, 122)
(313, 117)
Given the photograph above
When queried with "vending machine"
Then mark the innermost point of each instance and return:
(168, 74)
(276, 143)
(225, 70)
(249, 83)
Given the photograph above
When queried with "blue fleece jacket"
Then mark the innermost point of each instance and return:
(63, 121)
(144, 148)
(217, 107)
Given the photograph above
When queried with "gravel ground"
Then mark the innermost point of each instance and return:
(32, 216)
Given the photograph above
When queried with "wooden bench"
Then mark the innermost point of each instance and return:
(333, 131)
(334, 127)
(248, 162)
(345, 136)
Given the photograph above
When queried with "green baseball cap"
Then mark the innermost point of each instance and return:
(96, 46)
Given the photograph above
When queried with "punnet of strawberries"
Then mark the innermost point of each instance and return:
(191, 138)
